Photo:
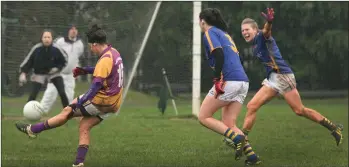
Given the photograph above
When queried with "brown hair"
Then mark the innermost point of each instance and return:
(43, 32)
(250, 21)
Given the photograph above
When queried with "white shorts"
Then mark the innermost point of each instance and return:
(282, 83)
(41, 78)
(233, 91)
(94, 111)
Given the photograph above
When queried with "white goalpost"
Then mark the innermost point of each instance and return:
(196, 80)
(196, 51)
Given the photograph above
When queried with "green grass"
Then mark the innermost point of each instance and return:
(141, 136)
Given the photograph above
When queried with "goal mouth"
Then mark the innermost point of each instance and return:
(125, 23)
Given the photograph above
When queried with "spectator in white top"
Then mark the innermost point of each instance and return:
(74, 48)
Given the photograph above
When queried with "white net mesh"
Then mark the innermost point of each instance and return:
(22, 23)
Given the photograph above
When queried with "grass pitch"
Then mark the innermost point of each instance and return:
(141, 136)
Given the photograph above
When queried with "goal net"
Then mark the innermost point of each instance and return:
(169, 44)
(22, 23)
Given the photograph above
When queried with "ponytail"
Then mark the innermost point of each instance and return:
(220, 22)
(213, 17)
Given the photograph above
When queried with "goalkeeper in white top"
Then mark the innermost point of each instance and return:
(74, 49)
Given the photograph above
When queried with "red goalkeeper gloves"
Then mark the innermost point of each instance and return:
(218, 83)
(79, 71)
(269, 16)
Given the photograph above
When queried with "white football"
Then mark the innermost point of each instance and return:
(33, 111)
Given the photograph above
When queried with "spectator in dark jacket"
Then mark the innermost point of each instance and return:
(46, 60)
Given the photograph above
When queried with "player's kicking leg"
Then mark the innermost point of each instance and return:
(54, 122)
(294, 100)
(91, 118)
(229, 116)
(60, 119)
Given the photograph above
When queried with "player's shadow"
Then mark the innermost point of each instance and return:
(167, 117)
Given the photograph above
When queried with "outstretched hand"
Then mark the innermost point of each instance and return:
(269, 16)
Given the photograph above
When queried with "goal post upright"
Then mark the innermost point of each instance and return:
(196, 78)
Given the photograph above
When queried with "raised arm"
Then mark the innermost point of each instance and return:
(269, 17)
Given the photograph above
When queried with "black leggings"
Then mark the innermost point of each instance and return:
(59, 84)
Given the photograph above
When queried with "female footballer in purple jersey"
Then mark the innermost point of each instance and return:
(280, 78)
(100, 101)
(230, 83)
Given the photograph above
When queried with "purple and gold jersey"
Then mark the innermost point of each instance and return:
(269, 54)
(109, 70)
(232, 67)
